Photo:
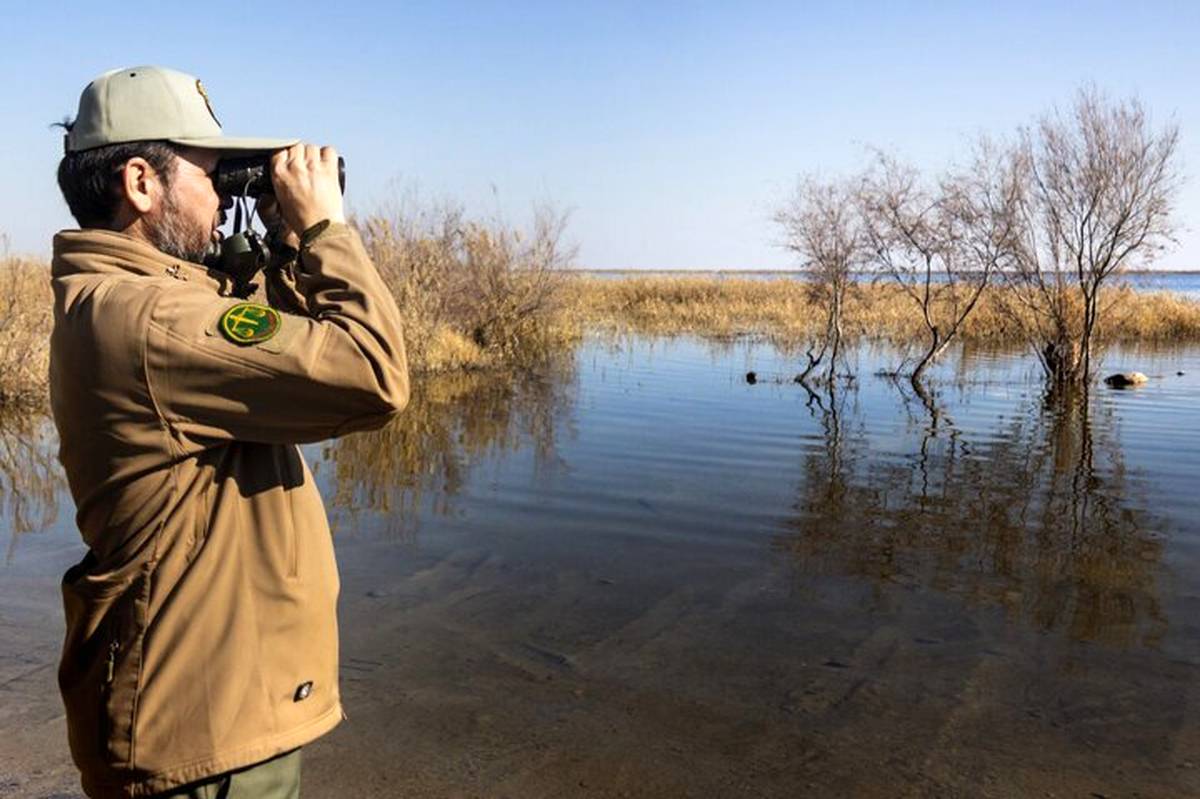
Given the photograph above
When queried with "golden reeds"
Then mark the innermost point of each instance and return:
(779, 309)
(475, 295)
(25, 322)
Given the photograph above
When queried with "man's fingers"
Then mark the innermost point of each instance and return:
(279, 162)
(307, 186)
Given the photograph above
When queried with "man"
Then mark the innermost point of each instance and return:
(201, 646)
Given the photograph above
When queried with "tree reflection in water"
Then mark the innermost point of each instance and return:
(1034, 517)
(451, 423)
(30, 477)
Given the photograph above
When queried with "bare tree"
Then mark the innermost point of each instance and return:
(822, 226)
(1099, 188)
(941, 245)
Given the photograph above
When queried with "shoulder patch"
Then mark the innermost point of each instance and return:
(249, 323)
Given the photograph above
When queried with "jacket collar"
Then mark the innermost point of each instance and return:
(98, 251)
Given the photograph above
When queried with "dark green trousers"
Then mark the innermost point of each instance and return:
(277, 778)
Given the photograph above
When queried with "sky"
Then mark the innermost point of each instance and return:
(669, 131)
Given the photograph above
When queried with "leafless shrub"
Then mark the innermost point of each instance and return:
(472, 292)
(942, 244)
(1098, 187)
(822, 226)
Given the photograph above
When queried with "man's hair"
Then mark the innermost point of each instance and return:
(90, 180)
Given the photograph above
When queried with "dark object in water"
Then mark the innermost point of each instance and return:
(751, 378)
(645, 503)
(549, 656)
(1125, 379)
(1180, 373)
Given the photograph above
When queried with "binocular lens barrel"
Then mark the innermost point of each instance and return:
(251, 177)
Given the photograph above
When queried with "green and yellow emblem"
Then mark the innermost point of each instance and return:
(250, 323)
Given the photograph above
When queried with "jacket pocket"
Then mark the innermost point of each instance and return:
(123, 668)
(101, 667)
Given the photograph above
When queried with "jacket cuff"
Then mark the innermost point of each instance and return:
(316, 231)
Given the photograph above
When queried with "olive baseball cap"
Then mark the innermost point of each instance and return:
(153, 103)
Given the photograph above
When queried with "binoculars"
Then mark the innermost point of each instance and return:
(251, 177)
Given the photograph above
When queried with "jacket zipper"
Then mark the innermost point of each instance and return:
(113, 648)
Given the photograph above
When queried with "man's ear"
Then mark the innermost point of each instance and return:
(142, 185)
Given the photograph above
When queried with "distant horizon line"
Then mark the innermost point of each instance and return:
(629, 270)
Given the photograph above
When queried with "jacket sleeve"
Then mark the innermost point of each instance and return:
(339, 368)
(280, 280)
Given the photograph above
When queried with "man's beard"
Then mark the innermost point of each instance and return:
(171, 233)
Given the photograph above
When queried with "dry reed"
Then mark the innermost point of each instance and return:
(720, 306)
(25, 322)
(477, 295)
(474, 293)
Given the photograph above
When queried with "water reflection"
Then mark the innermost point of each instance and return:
(421, 462)
(30, 477)
(1036, 516)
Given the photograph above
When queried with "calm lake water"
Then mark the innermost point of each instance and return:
(634, 574)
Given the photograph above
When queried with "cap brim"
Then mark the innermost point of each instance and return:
(236, 143)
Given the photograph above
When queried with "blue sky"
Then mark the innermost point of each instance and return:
(670, 130)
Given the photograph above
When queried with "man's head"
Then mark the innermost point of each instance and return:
(153, 190)
(139, 156)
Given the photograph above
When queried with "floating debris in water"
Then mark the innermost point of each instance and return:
(1125, 379)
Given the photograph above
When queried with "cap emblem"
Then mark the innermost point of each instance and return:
(207, 102)
(250, 323)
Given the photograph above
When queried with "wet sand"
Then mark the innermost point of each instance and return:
(569, 687)
(458, 683)
(479, 676)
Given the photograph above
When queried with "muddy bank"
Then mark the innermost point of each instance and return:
(481, 675)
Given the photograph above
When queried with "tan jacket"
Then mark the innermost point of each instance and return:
(201, 628)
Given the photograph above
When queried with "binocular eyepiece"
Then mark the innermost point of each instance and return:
(251, 177)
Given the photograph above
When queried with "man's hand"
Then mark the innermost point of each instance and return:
(306, 185)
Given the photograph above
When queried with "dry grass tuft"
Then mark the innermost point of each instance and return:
(25, 323)
(473, 293)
